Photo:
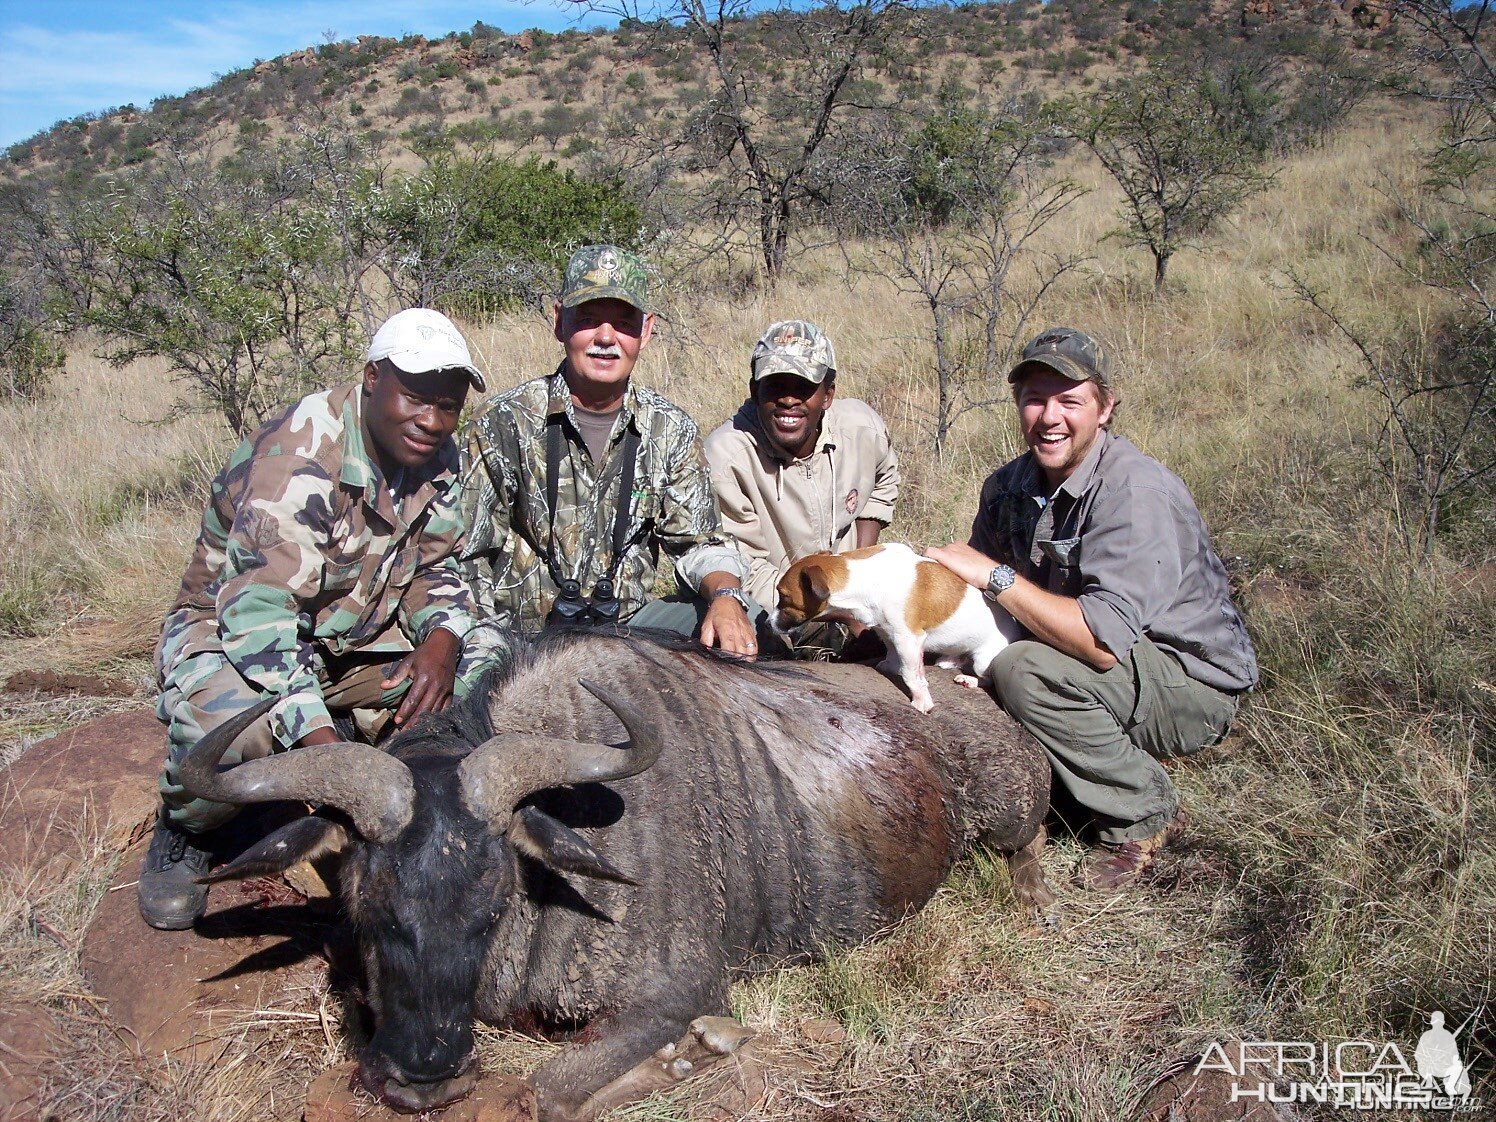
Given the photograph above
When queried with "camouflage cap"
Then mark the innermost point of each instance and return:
(605, 272)
(794, 346)
(1069, 353)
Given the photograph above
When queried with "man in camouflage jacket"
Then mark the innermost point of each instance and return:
(323, 575)
(519, 552)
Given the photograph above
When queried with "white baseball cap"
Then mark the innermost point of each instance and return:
(419, 340)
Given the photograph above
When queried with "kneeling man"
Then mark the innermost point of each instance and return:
(1099, 551)
(323, 575)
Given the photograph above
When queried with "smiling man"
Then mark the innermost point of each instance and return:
(323, 575)
(575, 482)
(799, 470)
(1098, 550)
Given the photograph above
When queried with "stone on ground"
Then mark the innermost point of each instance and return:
(96, 781)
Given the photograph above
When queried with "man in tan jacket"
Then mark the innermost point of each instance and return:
(798, 470)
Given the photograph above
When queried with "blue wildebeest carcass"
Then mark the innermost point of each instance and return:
(614, 831)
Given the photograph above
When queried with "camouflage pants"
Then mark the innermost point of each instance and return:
(205, 691)
(1104, 731)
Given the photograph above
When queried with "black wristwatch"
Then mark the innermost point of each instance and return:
(999, 581)
(735, 593)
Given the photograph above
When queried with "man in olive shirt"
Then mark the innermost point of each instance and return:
(1098, 550)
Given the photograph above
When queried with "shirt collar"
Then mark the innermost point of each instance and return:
(1032, 483)
(558, 399)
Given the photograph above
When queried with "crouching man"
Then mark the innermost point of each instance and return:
(1136, 650)
(323, 575)
(800, 470)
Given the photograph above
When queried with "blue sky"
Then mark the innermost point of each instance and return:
(60, 58)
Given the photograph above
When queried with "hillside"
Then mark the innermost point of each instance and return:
(571, 93)
(1338, 882)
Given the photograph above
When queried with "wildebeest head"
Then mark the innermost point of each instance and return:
(430, 832)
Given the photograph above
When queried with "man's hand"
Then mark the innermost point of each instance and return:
(1050, 618)
(431, 670)
(967, 563)
(726, 624)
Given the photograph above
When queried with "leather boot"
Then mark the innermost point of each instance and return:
(170, 897)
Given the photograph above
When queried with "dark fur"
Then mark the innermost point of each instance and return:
(790, 809)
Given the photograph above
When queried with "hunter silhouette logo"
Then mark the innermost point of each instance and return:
(1351, 1074)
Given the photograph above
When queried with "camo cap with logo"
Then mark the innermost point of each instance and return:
(794, 346)
(605, 272)
(1071, 354)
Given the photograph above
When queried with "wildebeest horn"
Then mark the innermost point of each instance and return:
(373, 788)
(505, 769)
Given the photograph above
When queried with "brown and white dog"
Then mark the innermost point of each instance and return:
(916, 605)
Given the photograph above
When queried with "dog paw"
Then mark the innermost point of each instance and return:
(923, 704)
(970, 681)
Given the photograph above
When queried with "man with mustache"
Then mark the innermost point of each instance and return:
(575, 482)
(323, 574)
(799, 470)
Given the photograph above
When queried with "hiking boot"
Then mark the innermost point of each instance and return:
(1111, 868)
(170, 897)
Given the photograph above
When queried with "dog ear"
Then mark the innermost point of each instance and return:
(817, 587)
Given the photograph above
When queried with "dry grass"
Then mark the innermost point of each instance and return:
(1341, 879)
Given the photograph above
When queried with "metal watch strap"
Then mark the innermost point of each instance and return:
(735, 593)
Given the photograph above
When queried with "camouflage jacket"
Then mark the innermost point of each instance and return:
(511, 532)
(304, 554)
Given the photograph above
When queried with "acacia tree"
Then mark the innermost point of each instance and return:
(783, 90)
(234, 276)
(1184, 156)
(950, 210)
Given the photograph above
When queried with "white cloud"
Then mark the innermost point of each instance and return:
(48, 75)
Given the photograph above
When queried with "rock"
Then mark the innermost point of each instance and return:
(1205, 1097)
(496, 1098)
(97, 780)
(175, 991)
(823, 1032)
(28, 1038)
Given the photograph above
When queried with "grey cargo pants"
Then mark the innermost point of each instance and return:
(1104, 731)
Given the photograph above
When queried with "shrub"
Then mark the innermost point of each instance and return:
(502, 230)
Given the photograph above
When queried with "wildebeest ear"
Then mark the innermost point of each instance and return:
(306, 839)
(539, 836)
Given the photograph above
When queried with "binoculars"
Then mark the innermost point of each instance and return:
(576, 610)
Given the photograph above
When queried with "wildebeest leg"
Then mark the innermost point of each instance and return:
(634, 1053)
(1029, 885)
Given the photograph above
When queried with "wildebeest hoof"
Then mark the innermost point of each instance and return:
(679, 1068)
(721, 1035)
(666, 1053)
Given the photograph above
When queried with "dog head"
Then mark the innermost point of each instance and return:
(806, 588)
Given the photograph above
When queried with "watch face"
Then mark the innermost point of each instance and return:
(1000, 581)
